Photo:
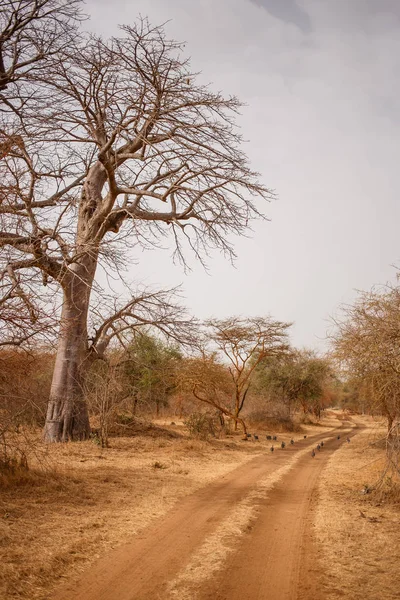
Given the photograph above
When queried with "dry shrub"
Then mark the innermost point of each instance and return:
(105, 395)
(126, 425)
(19, 447)
(17, 474)
(263, 420)
(13, 471)
(25, 381)
(388, 491)
(24, 390)
(307, 419)
(201, 425)
(388, 485)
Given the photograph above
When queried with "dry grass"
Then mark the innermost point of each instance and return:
(56, 523)
(210, 557)
(358, 533)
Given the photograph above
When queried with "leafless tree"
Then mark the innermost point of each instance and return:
(105, 394)
(31, 32)
(245, 343)
(367, 344)
(113, 146)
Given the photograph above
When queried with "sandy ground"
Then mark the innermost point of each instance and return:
(180, 519)
(52, 527)
(357, 534)
(184, 554)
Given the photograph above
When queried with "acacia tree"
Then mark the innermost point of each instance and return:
(112, 144)
(245, 342)
(210, 382)
(367, 345)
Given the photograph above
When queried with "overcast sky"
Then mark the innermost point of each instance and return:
(320, 79)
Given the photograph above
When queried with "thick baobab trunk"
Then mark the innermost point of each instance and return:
(67, 415)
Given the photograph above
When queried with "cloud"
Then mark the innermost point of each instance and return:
(368, 16)
(321, 80)
(288, 11)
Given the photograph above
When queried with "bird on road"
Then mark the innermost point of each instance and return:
(274, 438)
(313, 453)
(304, 436)
(292, 441)
(272, 448)
(348, 439)
(322, 443)
(283, 444)
(338, 437)
(318, 447)
(255, 437)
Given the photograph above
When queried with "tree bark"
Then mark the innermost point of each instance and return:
(237, 408)
(390, 421)
(67, 414)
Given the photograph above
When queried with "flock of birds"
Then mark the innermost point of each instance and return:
(274, 438)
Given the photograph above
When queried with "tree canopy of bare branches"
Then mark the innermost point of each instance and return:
(367, 345)
(107, 146)
(31, 32)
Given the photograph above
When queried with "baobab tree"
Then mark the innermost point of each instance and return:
(244, 343)
(112, 145)
(31, 32)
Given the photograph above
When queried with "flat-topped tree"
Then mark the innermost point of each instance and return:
(209, 381)
(245, 343)
(118, 147)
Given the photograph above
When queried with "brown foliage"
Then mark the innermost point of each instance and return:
(24, 385)
(109, 145)
(367, 347)
(210, 383)
(244, 344)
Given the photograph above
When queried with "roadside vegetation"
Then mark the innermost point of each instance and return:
(366, 347)
(113, 405)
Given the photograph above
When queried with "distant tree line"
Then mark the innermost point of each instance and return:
(237, 370)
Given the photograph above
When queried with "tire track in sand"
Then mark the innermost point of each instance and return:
(151, 565)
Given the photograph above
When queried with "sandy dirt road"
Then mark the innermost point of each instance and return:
(273, 560)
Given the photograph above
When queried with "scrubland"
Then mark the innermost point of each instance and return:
(357, 520)
(78, 501)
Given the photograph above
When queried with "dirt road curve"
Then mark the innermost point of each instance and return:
(273, 560)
